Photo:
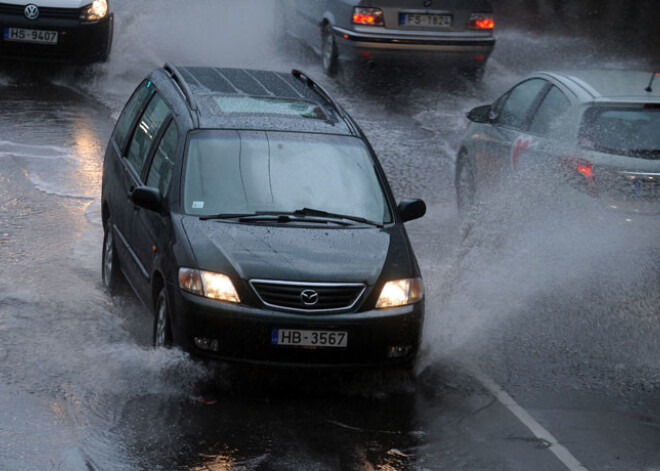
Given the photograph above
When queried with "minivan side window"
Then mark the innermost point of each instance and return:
(129, 114)
(553, 106)
(160, 172)
(150, 122)
(514, 111)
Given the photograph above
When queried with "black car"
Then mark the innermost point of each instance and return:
(78, 31)
(249, 211)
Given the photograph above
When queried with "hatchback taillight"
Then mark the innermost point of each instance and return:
(579, 173)
(368, 16)
(482, 21)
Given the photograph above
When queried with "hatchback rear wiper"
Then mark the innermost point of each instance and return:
(650, 154)
(326, 214)
(645, 153)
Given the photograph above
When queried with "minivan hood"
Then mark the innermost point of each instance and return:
(294, 252)
(51, 3)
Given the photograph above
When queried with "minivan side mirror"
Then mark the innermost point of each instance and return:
(410, 209)
(148, 198)
(480, 114)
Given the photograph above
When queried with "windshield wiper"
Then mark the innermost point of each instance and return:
(275, 216)
(326, 214)
(226, 216)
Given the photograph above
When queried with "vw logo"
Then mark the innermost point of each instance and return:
(428, 3)
(31, 12)
(309, 297)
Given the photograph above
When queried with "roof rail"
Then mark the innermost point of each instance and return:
(307, 80)
(185, 90)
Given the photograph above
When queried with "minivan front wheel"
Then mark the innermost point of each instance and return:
(162, 325)
(329, 51)
(110, 263)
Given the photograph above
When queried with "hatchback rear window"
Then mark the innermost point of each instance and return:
(631, 131)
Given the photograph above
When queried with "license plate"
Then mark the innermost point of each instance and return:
(425, 20)
(30, 35)
(646, 190)
(310, 338)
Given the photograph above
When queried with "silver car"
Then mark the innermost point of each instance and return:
(594, 131)
(414, 32)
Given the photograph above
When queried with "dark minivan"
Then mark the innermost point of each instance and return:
(248, 210)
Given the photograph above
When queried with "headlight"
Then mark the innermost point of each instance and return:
(96, 11)
(208, 284)
(401, 292)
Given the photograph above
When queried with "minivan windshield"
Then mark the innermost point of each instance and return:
(250, 172)
(630, 131)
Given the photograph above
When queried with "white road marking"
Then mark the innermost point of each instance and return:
(559, 450)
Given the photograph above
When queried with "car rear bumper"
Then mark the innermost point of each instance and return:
(363, 47)
(77, 42)
(245, 334)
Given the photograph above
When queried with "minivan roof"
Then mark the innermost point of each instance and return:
(230, 98)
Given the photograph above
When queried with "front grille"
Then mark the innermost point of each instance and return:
(321, 297)
(44, 12)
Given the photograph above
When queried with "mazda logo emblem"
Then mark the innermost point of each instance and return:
(31, 12)
(309, 297)
(428, 3)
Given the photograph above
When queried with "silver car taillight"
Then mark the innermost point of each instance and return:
(579, 173)
(368, 16)
(482, 21)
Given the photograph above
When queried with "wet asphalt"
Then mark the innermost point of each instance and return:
(541, 347)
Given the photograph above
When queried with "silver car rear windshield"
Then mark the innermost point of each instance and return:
(631, 131)
(246, 172)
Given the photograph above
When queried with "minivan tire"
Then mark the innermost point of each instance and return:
(162, 323)
(110, 270)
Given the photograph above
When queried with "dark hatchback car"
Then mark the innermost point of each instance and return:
(78, 31)
(249, 211)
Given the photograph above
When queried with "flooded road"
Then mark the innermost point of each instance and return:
(541, 350)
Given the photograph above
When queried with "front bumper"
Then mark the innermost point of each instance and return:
(469, 50)
(243, 333)
(77, 42)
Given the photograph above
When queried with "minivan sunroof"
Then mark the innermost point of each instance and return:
(269, 106)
